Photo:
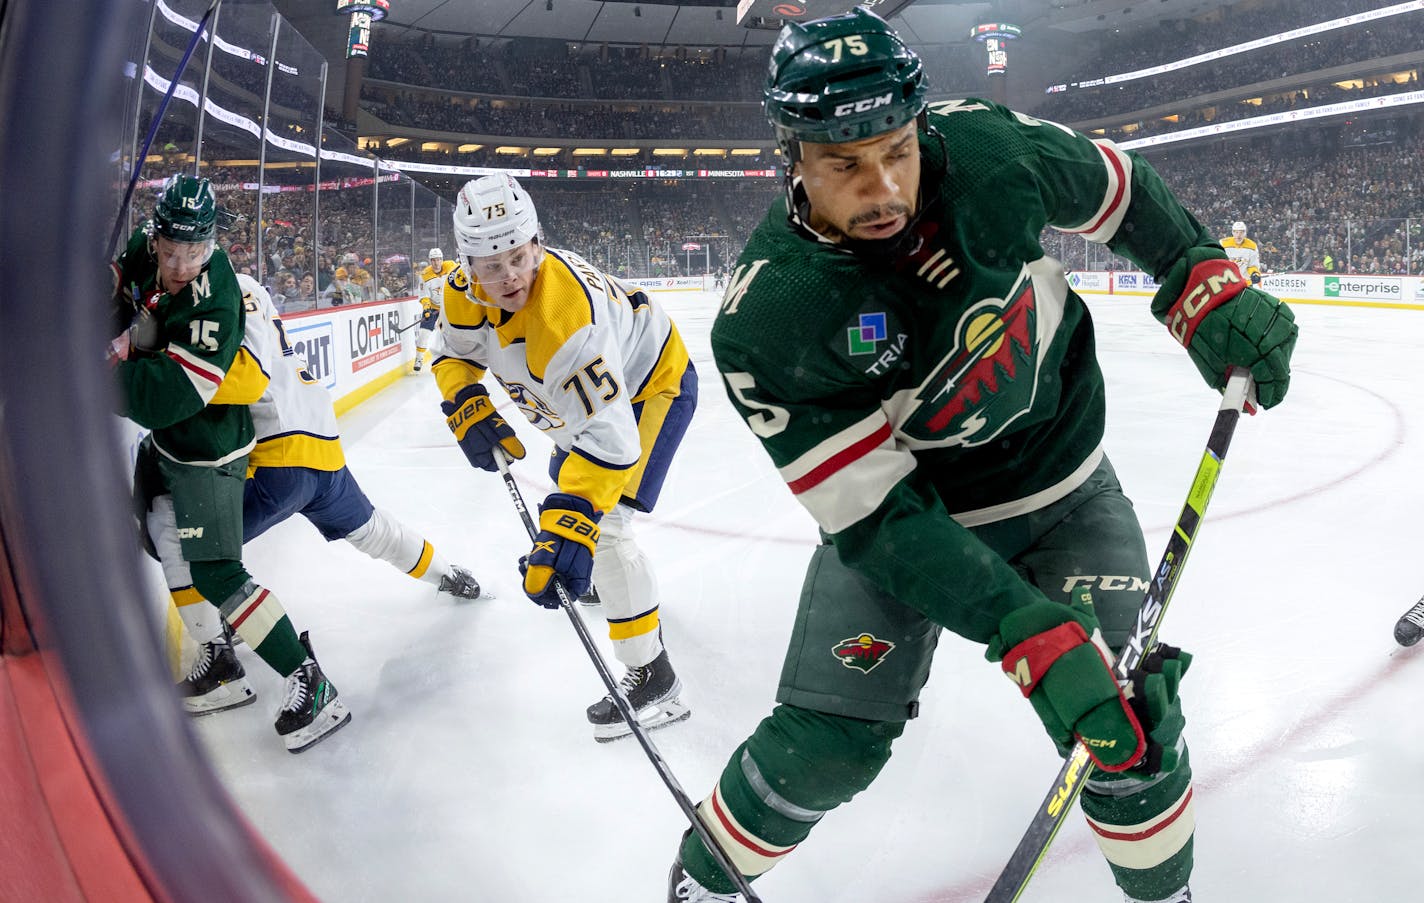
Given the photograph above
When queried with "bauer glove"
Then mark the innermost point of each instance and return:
(563, 549)
(478, 429)
(1057, 656)
(1208, 307)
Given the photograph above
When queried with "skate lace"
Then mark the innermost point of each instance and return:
(634, 679)
(297, 692)
(690, 890)
(203, 662)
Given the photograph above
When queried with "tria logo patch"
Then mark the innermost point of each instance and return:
(863, 653)
(868, 332)
(988, 379)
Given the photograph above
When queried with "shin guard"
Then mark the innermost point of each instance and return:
(1144, 828)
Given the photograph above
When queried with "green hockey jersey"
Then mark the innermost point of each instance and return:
(192, 394)
(905, 401)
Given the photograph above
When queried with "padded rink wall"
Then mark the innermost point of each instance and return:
(105, 792)
(1334, 289)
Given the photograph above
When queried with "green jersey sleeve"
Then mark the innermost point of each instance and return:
(1093, 188)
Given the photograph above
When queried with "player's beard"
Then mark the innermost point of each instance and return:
(886, 250)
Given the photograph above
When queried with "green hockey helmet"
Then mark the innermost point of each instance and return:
(841, 78)
(186, 210)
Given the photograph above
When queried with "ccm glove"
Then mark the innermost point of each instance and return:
(563, 549)
(478, 429)
(1208, 307)
(1057, 656)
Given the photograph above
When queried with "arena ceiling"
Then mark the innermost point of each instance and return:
(714, 22)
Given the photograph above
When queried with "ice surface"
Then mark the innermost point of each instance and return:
(469, 772)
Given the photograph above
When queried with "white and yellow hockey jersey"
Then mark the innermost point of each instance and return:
(1245, 255)
(432, 284)
(583, 350)
(294, 419)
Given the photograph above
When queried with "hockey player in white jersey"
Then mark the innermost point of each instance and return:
(297, 466)
(432, 294)
(603, 372)
(1243, 252)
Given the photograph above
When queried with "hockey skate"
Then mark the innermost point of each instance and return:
(419, 356)
(652, 691)
(310, 709)
(1410, 626)
(683, 888)
(590, 597)
(216, 681)
(462, 584)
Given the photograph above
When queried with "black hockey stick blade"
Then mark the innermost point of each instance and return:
(620, 701)
(1239, 395)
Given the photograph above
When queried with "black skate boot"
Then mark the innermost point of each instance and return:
(310, 709)
(652, 691)
(460, 583)
(590, 597)
(683, 888)
(1410, 626)
(419, 355)
(216, 681)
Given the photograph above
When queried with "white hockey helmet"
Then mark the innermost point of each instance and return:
(493, 214)
(435, 254)
(1238, 226)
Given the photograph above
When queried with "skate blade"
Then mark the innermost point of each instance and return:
(669, 711)
(232, 695)
(333, 718)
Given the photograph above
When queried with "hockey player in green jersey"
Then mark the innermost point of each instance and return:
(184, 374)
(925, 381)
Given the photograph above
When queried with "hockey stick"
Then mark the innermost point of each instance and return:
(621, 702)
(1077, 768)
(153, 126)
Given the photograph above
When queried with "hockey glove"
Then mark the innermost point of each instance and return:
(1057, 656)
(563, 549)
(478, 429)
(1207, 306)
(1153, 697)
(146, 332)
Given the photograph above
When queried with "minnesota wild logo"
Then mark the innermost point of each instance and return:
(864, 652)
(988, 378)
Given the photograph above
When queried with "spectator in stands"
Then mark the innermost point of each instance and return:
(340, 291)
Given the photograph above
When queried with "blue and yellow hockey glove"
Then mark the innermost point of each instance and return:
(478, 428)
(563, 549)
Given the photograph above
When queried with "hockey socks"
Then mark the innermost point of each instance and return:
(1144, 828)
(796, 766)
(258, 617)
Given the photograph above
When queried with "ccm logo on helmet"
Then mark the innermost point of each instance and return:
(860, 106)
